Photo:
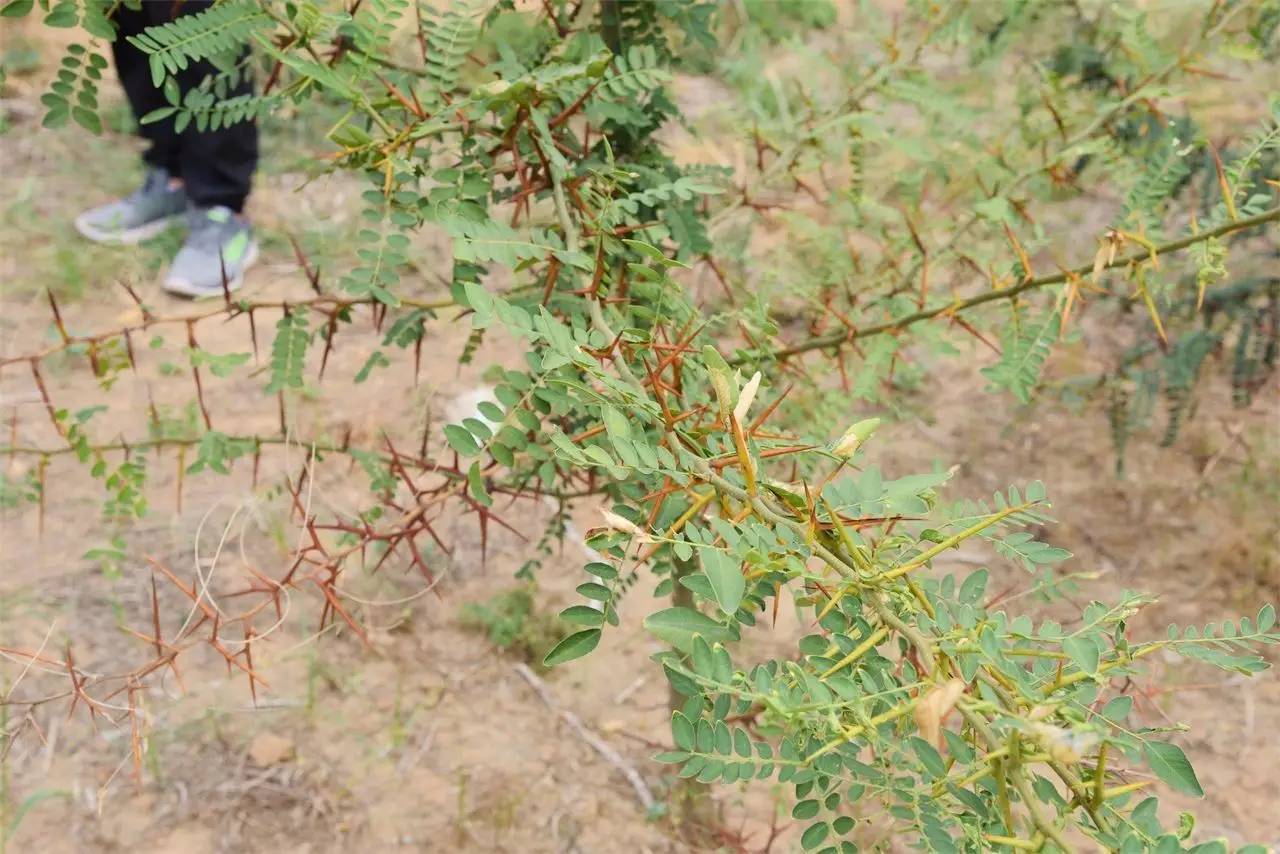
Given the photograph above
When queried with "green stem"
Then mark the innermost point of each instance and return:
(1011, 773)
(844, 336)
(950, 543)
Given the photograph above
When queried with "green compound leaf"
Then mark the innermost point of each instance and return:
(682, 731)
(1083, 652)
(815, 835)
(476, 485)
(461, 440)
(1266, 617)
(1025, 350)
(574, 646)
(726, 579)
(1172, 766)
(582, 615)
(289, 351)
(677, 626)
(17, 8)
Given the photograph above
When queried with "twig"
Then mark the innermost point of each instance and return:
(596, 742)
(332, 303)
(836, 339)
(629, 691)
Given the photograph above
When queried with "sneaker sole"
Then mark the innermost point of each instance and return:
(128, 237)
(181, 288)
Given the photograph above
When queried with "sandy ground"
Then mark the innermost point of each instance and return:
(427, 739)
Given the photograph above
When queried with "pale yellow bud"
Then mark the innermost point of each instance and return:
(718, 369)
(934, 707)
(619, 523)
(854, 437)
(746, 397)
(1064, 745)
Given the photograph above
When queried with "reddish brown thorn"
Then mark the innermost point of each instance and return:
(128, 349)
(137, 300)
(330, 330)
(681, 346)
(720, 277)
(44, 395)
(426, 525)
(563, 115)
(248, 659)
(155, 616)
(1057, 119)
(91, 352)
(195, 373)
(965, 325)
(57, 317)
(226, 287)
(553, 273)
(769, 410)
(336, 606)
(313, 276)
(273, 77)
(411, 106)
(189, 592)
(253, 335)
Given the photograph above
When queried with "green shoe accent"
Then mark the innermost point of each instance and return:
(220, 244)
(233, 250)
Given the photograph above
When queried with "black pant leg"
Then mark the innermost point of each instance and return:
(215, 166)
(135, 79)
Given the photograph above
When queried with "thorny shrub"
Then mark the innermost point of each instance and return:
(533, 136)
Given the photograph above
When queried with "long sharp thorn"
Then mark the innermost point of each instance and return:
(155, 615)
(248, 659)
(332, 328)
(57, 317)
(195, 374)
(44, 395)
(128, 349)
(313, 276)
(253, 335)
(226, 287)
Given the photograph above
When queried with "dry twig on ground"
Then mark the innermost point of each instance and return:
(597, 744)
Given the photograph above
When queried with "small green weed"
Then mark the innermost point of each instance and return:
(515, 624)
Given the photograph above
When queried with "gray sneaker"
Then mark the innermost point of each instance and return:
(141, 215)
(220, 245)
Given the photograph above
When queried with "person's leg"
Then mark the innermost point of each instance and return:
(147, 211)
(143, 96)
(216, 166)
